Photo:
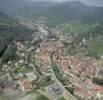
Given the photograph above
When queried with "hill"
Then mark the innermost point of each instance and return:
(70, 11)
(52, 13)
(10, 30)
(91, 31)
(9, 6)
(24, 7)
(34, 9)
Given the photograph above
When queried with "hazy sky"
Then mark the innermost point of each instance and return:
(90, 2)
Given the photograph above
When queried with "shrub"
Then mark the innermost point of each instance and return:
(97, 81)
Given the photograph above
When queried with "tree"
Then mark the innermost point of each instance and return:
(97, 81)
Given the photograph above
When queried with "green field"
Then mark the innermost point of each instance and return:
(62, 98)
(29, 96)
(41, 97)
(85, 29)
(45, 82)
(77, 26)
(95, 47)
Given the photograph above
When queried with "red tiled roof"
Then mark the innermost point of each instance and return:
(91, 71)
(25, 83)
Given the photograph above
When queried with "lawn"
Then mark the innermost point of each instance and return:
(95, 47)
(77, 26)
(2, 97)
(23, 69)
(45, 82)
(30, 96)
(62, 98)
(41, 97)
(59, 74)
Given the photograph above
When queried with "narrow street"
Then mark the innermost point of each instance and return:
(66, 94)
(12, 95)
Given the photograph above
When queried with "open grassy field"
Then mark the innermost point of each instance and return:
(62, 98)
(77, 26)
(95, 47)
(28, 96)
(33, 97)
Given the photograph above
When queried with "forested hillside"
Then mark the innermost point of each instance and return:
(34, 9)
(70, 11)
(91, 31)
(11, 30)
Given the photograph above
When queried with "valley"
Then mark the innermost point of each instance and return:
(51, 51)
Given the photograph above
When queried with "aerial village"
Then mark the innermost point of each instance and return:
(44, 64)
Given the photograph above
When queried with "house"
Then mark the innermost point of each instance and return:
(8, 85)
(90, 71)
(79, 90)
(25, 85)
(21, 61)
(64, 64)
(20, 46)
(78, 66)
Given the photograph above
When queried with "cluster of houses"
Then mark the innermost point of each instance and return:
(44, 52)
(22, 80)
(19, 80)
(79, 71)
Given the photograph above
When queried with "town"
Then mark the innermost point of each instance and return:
(44, 65)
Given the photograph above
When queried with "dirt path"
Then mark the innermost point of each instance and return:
(31, 96)
(46, 94)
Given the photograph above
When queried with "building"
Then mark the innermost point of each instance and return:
(25, 85)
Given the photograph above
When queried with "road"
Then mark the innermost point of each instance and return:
(12, 95)
(66, 94)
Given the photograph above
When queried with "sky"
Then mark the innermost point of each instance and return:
(89, 2)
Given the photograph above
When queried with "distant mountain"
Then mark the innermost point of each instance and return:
(3, 15)
(9, 6)
(52, 13)
(72, 10)
(26, 7)
(34, 9)
(4, 18)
